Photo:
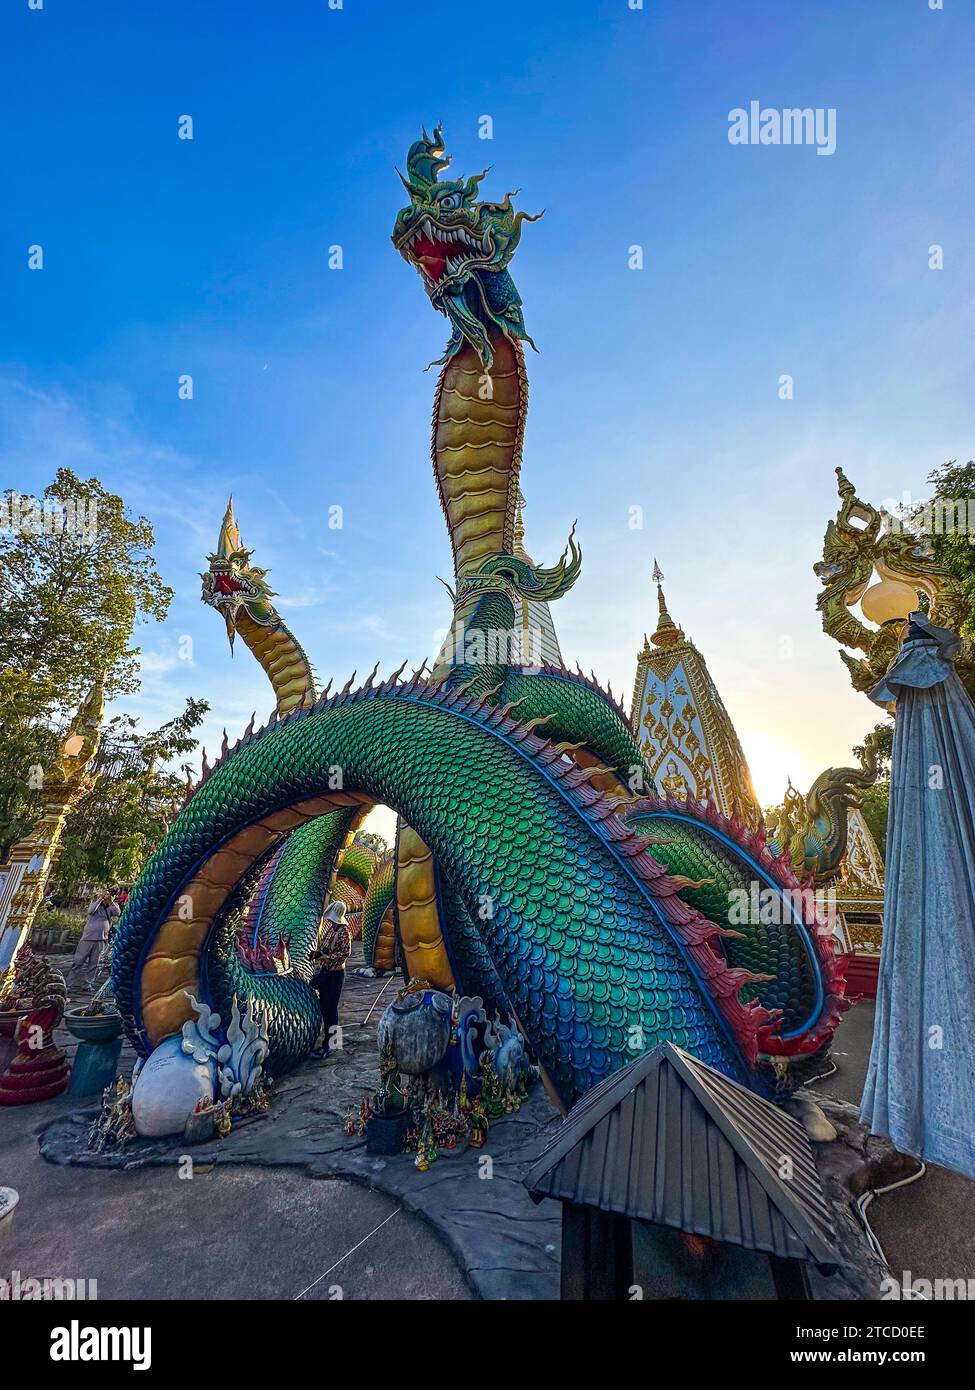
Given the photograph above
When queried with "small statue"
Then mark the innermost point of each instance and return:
(256, 1102)
(449, 1124)
(389, 1098)
(114, 1126)
(478, 1125)
(426, 1151)
(221, 1119)
(491, 1095)
(39, 1070)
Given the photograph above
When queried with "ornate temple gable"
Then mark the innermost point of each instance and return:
(686, 734)
(862, 873)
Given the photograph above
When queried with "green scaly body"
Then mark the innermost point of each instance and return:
(606, 924)
(592, 942)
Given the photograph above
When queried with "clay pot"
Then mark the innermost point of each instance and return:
(419, 1028)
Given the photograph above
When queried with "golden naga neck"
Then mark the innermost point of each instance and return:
(421, 930)
(282, 659)
(478, 427)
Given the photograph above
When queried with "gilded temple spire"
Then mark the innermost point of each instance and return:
(668, 634)
(685, 732)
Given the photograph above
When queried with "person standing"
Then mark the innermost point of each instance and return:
(102, 914)
(105, 958)
(332, 954)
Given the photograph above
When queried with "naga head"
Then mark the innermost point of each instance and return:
(232, 582)
(461, 249)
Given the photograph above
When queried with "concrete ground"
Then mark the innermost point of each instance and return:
(269, 1231)
(226, 1232)
(927, 1228)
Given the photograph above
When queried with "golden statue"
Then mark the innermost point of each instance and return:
(860, 542)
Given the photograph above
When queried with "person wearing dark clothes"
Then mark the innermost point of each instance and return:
(332, 953)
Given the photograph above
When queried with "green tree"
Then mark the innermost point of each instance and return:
(25, 743)
(374, 840)
(875, 803)
(946, 523)
(77, 574)
(954, 548)
(118, 825)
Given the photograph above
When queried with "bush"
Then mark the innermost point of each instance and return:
(51, 923)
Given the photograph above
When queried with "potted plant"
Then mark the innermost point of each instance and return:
(96, 1022)
(387, 1125)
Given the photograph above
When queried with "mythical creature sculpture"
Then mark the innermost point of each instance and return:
(462, 249)
(814, 829)
(600, 922)
(378, 931)
(353, 874)
(863, 540)
(39, 1070)
(241, 594)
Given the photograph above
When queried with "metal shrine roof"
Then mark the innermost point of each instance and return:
(671, 1141)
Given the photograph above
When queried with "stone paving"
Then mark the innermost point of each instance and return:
(474, 1200)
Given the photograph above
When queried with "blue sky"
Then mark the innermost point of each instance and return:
(655, 388)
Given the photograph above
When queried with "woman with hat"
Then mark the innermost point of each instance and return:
(332, 953)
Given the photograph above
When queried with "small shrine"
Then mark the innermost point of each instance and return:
(676, 1182)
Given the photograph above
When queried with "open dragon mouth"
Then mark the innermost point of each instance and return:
(441, 253)
(227, 591)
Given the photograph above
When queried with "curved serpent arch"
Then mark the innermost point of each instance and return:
(642, 959)
(524, 854)
(378, 946)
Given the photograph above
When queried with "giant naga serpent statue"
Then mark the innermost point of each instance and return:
(526, 871)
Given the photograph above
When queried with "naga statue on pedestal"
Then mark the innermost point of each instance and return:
(36, 998)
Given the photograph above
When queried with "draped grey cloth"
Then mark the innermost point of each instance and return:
(920, 1087)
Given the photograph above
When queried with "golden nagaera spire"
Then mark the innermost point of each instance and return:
(668, 634)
